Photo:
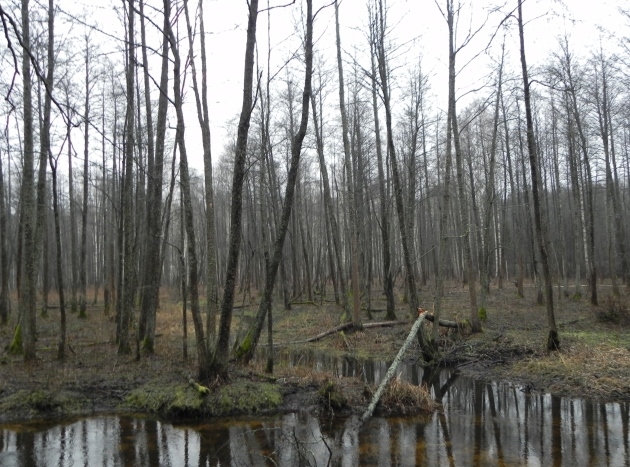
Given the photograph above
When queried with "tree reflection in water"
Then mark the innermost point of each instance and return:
(481, 423)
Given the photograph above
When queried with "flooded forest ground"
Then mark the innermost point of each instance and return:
(594, 360)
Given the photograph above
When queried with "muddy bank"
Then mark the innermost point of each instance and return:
(594, 362)
(246, 394)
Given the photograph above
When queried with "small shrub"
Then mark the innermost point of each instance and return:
(483, 314)
(616, 311)
(402, 397)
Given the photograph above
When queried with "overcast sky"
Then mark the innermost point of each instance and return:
(417, 27)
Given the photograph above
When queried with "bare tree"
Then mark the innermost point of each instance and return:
(245, 351)
(484, 265)
(61, 344)
(450, 16)
(331, 219)
(378, 23)
(219, 363)
(354, 254)
(203, 360)
(155, 174)
(388, 280)
(571, 85)
(204, 121)
(89, 83)
(28, 292)
(128, 272)
(553, 341)
(4, 254)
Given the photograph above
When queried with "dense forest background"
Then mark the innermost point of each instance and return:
(348, 172)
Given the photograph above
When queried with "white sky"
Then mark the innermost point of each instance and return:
(417, 24)
(413, 19)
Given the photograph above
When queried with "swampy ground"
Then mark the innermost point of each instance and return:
(593, 362)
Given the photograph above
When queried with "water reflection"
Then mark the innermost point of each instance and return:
(481, 424)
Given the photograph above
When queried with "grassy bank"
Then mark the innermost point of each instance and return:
(594, 360)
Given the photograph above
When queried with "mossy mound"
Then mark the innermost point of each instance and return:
(331, 397)
(184, 401)
(41, 402)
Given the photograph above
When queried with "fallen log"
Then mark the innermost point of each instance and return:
(345, 326)
(378, 324)
(443, 322)
(394, 366)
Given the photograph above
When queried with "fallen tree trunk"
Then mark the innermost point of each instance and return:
(443, 322)
(394, 366)
(379, 324)
(345, 326)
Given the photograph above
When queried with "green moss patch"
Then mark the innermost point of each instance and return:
(41, 402)
(184, 401)
(331, 397)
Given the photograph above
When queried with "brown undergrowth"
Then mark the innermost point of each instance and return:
(594, 360)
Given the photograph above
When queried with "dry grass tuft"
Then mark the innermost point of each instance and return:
(403, 397)
(596, 370)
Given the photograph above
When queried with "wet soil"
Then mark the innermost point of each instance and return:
(593, 362)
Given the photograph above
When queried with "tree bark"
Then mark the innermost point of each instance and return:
(212, 306)
(155, 174)
(352, 213)
(4, 254)
(475, 323)
(61, 344)
(84, 211)
(378, 37)
(203, 360)
(553, 341)
(330, 214)
(388, 282)
(219, 363)
(484, 265)
(246, 349)
(128, 274)
(588, 182)
(28, 292)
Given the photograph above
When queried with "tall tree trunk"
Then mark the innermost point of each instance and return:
(246, 349)
(212, 305)
(104, 203)
(84, 211)
(378, 37)
(203, 360)
(61, 344)
(155, 174)
(553, 341)
(73, 209)
(4, 254)
(475, 323)
(588, 182)
(219, 363)
(27, 298)
(41, 202)
(388, 282)
(128, 273)
(620, 231)
(484, 265)
(330, 213)
(354, 254)
(612, 204)
(576, 196)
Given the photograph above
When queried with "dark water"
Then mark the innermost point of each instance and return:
(480, 424)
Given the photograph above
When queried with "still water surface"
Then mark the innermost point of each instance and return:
(480, 424)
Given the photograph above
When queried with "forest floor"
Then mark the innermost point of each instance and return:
(593, 362)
